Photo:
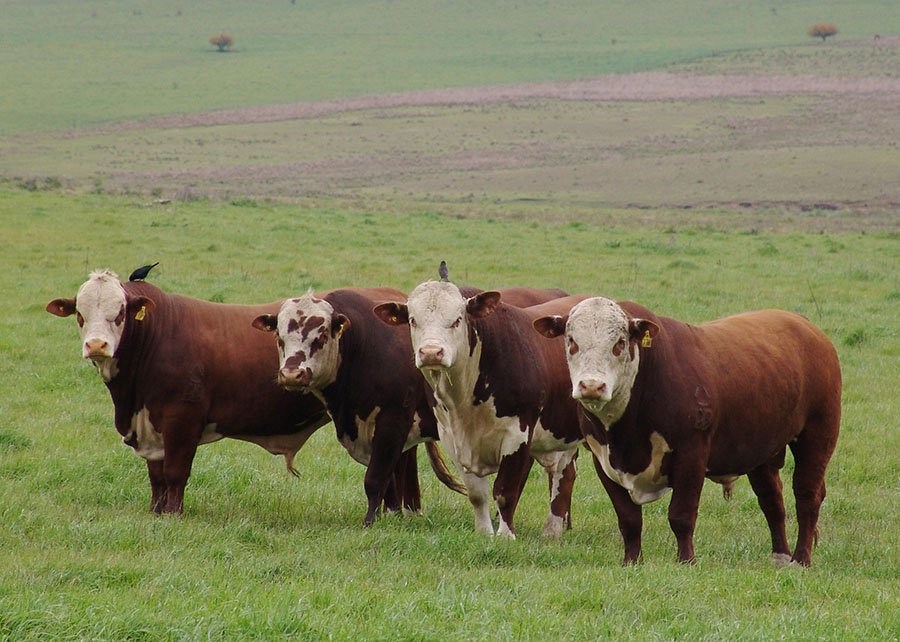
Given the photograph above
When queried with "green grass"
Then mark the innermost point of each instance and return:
(72, 65)
(261, 555)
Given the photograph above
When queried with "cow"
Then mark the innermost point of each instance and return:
(502, 395)
(183, 372)
(363, 371)
(671, 403)
(333, 347)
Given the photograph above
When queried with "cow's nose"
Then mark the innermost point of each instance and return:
(591, 389)
(294, 376)
(95, 348)
(431, 355)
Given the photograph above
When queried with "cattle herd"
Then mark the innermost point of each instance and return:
(501, 378)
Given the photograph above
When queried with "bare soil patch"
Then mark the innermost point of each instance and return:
(809, 150)
(631, 87)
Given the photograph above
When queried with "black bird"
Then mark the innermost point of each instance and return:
(141, 273)
(443, 272)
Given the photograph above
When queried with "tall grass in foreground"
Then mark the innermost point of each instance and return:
(261, 555)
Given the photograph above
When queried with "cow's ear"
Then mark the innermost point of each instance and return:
(552, 326)
(392, 313)
(642, 330)
(139, 307)
(61, 307)
(483, 304)
(339, 325)
(265, 323)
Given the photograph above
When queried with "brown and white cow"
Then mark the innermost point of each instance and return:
(184, 372)
(675, 403)
(502, 395)
(363, 371)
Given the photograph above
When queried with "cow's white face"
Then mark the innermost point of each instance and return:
(309, 333)
(437, 324)
(101, 309)
(602, 353)
(438, 316)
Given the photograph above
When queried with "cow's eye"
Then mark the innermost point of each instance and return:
(456, 323)
(619, 347)
(80, 319)
(573, 347)
(412, 322)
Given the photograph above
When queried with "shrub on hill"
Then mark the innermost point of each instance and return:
(223, 41)
(822, 30)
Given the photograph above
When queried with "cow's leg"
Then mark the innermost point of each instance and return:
(176, 470)
(393, 492)
(402, 492)
(562, 479)
(412, 494)
(628, 513)
(157, 486)
(811, 454)
(766, 483)
(181, 429)
(687, 484)
(387, 446)
(479, 491)
(508, 487)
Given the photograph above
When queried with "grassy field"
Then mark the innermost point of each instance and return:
(699, 201)
(71, 65)
(261, 555)
(814, 138)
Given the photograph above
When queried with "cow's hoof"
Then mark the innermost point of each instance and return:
(554, 528)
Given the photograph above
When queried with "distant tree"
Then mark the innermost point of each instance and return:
(822, 30)
(223, 41)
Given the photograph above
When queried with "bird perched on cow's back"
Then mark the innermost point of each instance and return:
(443, 272)
(141, 273)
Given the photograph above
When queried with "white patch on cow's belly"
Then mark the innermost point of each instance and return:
(361, 447)
(149, 441)
(480, 439)
(546, 445)
(645, 486)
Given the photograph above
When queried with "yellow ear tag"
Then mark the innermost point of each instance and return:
(647, 340)
(339, 332)
(141, 313)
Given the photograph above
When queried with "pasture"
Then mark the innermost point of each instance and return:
(696, 156)
(75, 65)
(260, 554)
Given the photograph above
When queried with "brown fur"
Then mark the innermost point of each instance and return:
(729, 397)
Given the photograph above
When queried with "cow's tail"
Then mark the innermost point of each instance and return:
(441, 471)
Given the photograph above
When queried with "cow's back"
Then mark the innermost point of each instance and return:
(755, 378)
(209, 355)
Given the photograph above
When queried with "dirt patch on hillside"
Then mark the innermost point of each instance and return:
(631, 87)
(796, 149)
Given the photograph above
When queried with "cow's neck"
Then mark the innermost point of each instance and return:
(624, 426)
(135, 354)
(454, 387)
(344, 392)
